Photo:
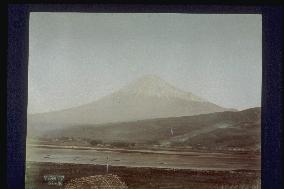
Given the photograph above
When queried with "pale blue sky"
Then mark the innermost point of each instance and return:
(76, 58)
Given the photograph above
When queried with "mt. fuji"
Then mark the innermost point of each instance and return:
(146, 98)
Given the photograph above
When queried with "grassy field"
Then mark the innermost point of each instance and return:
(144, 178)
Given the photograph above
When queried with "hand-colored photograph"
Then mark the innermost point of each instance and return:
(144, 101)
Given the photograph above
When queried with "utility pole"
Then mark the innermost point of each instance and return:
(107, 165)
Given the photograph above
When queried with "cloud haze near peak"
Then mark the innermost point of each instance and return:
(76, 58)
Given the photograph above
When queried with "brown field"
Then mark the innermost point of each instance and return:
(145, 178)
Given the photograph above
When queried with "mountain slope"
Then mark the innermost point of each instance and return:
(147, 98)
(221, 130)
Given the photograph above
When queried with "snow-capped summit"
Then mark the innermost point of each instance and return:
(152, 85)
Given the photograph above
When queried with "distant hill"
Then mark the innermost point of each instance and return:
(221, 130)
(147, 98)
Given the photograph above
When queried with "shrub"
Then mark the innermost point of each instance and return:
(95, 142)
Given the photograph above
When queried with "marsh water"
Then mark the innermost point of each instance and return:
(173, 160)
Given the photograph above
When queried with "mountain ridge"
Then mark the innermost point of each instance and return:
(219, 130)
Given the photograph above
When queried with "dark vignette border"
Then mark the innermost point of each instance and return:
(17, 82)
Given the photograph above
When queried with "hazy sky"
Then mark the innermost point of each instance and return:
(76, 58)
